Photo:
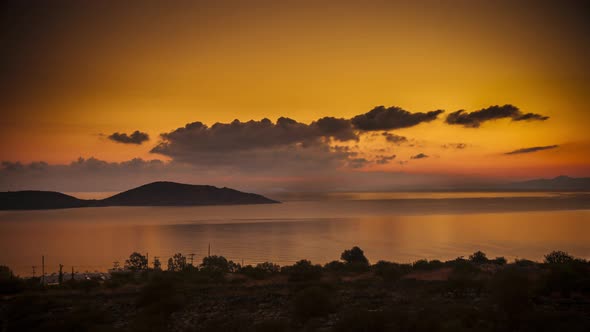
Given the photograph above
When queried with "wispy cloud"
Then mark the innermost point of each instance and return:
(419, 156)
(476, 118)
(532, 149)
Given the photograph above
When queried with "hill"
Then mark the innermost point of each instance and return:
(560, 183)
(38, 200)
(178, 194)
(153, 194)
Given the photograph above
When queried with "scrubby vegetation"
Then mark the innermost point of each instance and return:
(473, 294)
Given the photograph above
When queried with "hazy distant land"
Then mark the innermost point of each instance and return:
(152, 194)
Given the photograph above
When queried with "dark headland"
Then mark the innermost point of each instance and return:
(152, 194)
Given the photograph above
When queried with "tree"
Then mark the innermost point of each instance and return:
(268, 267)
(354, 255)
(9, 283)
(303, 270)
(136, 262)
(5, 273)
(218, 264)
(478, 257)
(177, 263)
(558, 257)
(157, 264)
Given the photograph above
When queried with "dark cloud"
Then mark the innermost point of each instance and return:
(196, 137)
(357, 162)
(386, 118)
(476, 118)
(382, 160)
(393, 138)
(459, 146)
(419, 156)
(286, 147)
(137, 137)
(340, 129)
(532, 149)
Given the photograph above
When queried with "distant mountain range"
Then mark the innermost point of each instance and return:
(560, 183)
(152, 194)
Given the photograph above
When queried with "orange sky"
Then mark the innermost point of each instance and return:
(76, 74)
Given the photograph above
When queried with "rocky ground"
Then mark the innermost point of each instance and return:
(426, 296)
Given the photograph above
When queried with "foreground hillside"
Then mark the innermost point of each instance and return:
(152, 194)
(475, 294)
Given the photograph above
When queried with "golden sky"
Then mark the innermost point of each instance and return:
(74, 73)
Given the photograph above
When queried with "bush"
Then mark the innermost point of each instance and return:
(313, 302)
(354, 255)
(423, 264)
(260, 271)
(478, 257)
(558, 257)
(499, 261)
(218, 264)
(303, 270)
(270, 268)
(391, 271)
(568, 277)
(524, 263)
(335, 266)
(9, 283)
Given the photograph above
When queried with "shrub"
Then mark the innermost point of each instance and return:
(354, 255)
(303, 270)
(390, 271)
(218, 264)
(313, 302)
(499, 261)
(260, 271)
(558, 257)
(268, 267)
(9, 283)
(423, 264)
(524, 263)
(335, 266)
(478, 257)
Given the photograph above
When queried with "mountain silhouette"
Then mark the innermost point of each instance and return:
(152, 194)
(38, 200)
(560, 183)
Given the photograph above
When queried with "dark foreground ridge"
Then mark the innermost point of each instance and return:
(152, 194)
(476, 293)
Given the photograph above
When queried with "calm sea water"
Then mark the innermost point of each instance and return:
(386, 226)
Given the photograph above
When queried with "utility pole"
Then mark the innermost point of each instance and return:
(61, 274)
(147, 260)
(209, 250)
(72, 273)
(34, 267)
(192, 257)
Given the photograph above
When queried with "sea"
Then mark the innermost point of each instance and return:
(400, 227)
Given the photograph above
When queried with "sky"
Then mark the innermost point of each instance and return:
(292, 95)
